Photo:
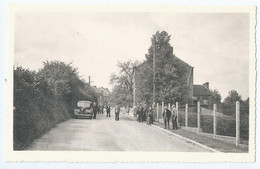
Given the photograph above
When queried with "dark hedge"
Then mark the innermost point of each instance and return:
(37, 108)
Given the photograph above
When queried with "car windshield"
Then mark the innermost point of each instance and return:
(84, 104)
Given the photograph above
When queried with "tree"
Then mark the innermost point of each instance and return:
(171, 73)
(229, 104)
(232, 97)
(245, 106)
(65, 82)
(43, 99)
(122, 92)
(216, 97)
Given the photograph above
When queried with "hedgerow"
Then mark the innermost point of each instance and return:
(40, 103)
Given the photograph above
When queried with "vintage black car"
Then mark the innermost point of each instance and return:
(84, 110)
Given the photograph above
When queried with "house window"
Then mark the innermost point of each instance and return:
(194, 98)
(205, 102)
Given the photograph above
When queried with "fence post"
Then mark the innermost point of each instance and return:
(198, 117)
(237, 122)
(186, 115)
(162, 108)
(177, 114)
(214, 121)
(157, 111)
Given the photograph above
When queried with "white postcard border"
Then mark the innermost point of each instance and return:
(119, 156)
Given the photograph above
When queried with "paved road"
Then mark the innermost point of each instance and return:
(105, 134)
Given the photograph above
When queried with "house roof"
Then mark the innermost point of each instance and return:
(180, 60)
(175, 57)
(102, 90)
(200, 90)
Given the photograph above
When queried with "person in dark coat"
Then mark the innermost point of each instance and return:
(98, 109)
(141, 111)
(166, 117)
(152, 113)
(145, 110)
(138, 112)
(108, 110)
(95, 110)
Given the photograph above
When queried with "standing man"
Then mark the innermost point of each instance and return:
(145, 112)
(95, 110)
(148, 115)
(174, 118)
(152, 113)
(138, 112)
(98, 109)
(117, 111)
(108, 110)
(141, 111)
(102, 109)
(135, 111)
(166, 116)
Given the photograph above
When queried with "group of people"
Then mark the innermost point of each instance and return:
(100, 110)
(144, 113)
(170, 114)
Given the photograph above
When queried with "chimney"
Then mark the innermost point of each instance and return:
(206, 85)
(171, 50)
(89, 80)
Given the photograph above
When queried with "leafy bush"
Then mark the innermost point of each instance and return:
(38, 105)
(225, 125)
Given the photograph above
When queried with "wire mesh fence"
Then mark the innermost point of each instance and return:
(225, 124)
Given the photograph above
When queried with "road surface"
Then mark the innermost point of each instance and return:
(106, 134)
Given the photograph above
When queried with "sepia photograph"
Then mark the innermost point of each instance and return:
(135, 83)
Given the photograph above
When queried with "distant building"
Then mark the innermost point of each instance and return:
(196, 93)
(202, 94)
(102, 95)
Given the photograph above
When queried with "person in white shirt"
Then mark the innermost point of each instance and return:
(174, 118)
(117, 111)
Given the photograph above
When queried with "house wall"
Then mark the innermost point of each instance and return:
(189, 73)
(205, 101)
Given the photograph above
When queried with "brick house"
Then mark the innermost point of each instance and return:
(102, 95)
(188, 73)
(202, 94)
(196, 92)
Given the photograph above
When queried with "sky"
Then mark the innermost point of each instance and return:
(215, 44)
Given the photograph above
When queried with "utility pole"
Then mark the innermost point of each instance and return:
(154, 71)
(89, 80)
(134, 69)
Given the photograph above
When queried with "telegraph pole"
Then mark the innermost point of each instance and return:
(134, 69)
(154, 72)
